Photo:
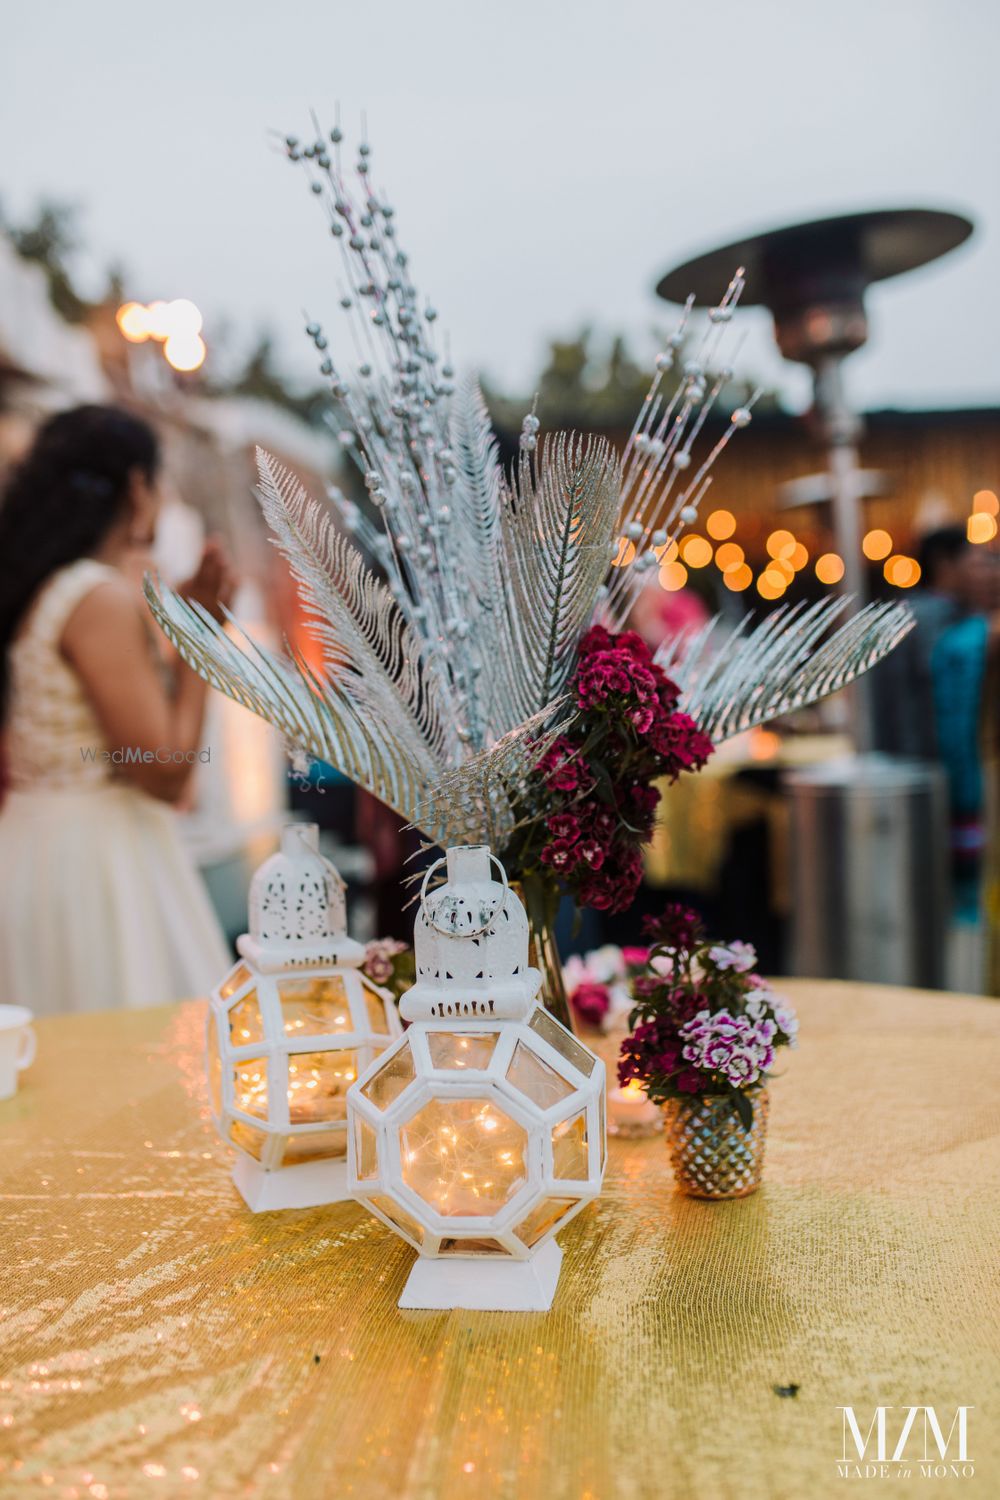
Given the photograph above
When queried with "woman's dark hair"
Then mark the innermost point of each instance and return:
(62, 500)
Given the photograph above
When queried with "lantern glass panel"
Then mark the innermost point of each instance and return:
(214, 1066)
(462, 1049)
(248, 1137)
(245, 1022)
(366, 1150)
(375, 1007)
(542, 1218)
(542, 1084)
(391, 1079)
(570, 1156)
(315, 1007)
(318, 1084)
(464, 1156)
(250, 1086)
(563, 1041)
(314, 1145)
(233, 981)
(472, 1247)
(602, 1134)
(398, 1216)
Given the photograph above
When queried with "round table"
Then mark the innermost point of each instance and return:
(160, 1340)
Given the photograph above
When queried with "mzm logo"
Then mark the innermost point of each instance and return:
(873, 1454)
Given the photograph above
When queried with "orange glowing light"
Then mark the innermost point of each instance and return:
(876, 545)
(980, 527)
(730, 555)
(133, 322)
(667, 553)
(625, 553)
(780, 543)
(738, 579)
(696, 551)
(673, 576)
(829, 568)
(764, 744)
(770, 585)
(985, 503)
(901, 571)
(720, 525)
(782, 568)
(797, 557)
(158, 321)
(184, 351)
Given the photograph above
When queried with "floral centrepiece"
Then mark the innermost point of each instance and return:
(706, 1029)
(389, 963)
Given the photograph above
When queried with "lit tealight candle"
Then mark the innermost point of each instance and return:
(631, 1113)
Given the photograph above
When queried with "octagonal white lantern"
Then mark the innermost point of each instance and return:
(289, 1030)
(481, 1131)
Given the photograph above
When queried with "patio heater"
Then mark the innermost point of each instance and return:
(869, 861)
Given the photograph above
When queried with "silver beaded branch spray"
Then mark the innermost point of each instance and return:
(449, 624)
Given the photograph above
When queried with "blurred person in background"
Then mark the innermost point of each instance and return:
(959, 663)
(903, 694)
(100, 905)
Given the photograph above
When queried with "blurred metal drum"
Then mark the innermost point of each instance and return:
(869, 871)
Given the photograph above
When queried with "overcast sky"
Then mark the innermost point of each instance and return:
(548, 159)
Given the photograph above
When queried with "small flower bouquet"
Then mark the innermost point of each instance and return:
(704, 1024)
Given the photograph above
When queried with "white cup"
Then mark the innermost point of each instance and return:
(17, 1046)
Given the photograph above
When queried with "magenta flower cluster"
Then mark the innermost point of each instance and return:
(703, 1021)
(596, 781)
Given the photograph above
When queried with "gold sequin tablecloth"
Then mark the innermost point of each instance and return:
(159, 1340)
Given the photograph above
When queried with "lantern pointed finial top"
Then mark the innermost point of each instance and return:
(298, 914)
(471, 945)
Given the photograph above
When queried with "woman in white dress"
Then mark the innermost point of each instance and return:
(100, 906)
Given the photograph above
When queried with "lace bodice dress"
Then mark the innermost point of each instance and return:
(100, 904)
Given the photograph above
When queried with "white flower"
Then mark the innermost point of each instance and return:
(738, 956)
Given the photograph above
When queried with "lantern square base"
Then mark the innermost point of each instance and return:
(307, 1185)
(483, 1285)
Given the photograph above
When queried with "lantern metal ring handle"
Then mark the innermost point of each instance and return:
(473, 931)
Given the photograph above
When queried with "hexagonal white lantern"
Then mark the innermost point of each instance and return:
(481, 1131)
(289, 1030)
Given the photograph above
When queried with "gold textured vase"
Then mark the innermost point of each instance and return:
(712, 1155)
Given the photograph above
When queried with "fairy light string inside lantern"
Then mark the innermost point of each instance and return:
(481, 1131)
(289, 1029)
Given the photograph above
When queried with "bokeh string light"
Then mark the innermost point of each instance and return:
(175, 325)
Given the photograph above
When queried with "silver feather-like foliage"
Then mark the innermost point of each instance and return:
(449, 625)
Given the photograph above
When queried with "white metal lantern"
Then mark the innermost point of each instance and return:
(481, 1131)
(289, 1030)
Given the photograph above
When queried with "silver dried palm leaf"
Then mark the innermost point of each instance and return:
(449, 638)
(734, 679)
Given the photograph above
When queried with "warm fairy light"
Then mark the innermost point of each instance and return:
(981, 527)
(667, 553)
(696, 551)
(133, 322)
(738, 579)
(780, 543)
(781, 568)
(730, 555)
(829, 568)
(720, 525)
(184, 351)
(797, 557)
(625, 553)
(901, 571)
(770, 585)
(984, 502)
(673, 576)
(876, 545)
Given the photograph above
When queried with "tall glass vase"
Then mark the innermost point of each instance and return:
(542, 907)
